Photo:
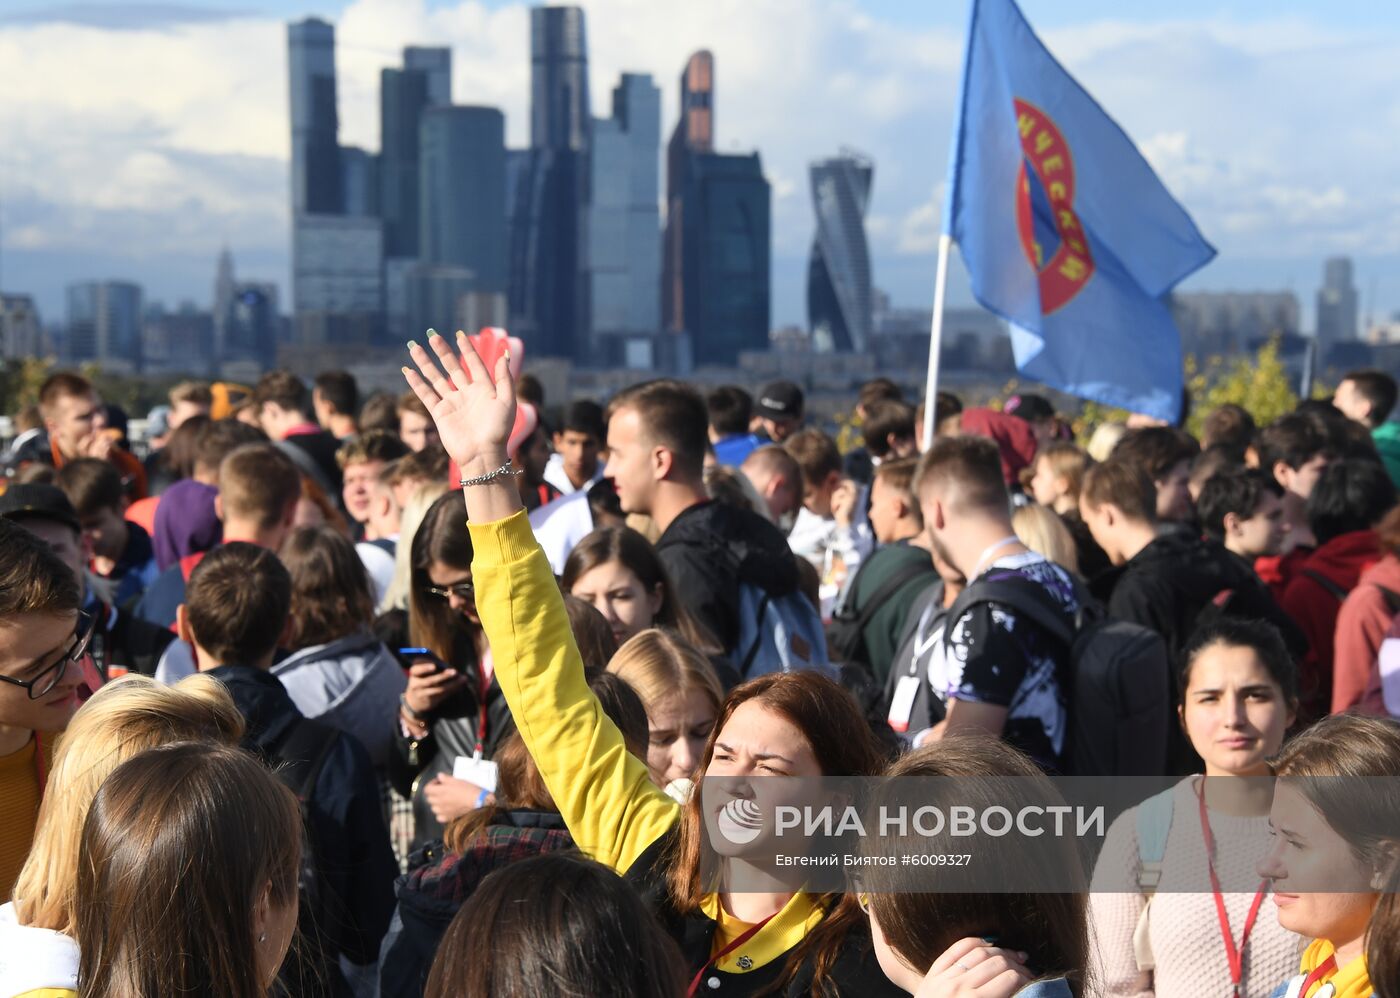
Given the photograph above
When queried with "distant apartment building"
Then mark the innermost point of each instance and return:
(1221, 323)
(105, 322)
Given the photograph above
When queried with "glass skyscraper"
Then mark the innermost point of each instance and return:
(624, 229)
(550, 191)
(316, 169)
(462, 200)
(359, 181)
(403, 95)
(436, 63)
(839, 303)
(716, 287)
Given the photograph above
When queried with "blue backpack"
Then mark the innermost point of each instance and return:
(778, 634)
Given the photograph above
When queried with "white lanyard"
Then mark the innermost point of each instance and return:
(921, 643)
(983, 562)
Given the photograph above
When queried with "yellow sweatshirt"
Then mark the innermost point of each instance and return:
(604, 793)
(19, 806)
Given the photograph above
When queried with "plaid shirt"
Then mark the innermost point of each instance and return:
(450, 877)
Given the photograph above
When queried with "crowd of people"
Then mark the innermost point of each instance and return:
(417, 695)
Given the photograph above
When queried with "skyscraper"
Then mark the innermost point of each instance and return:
(694, 133)
(548, 280)
(463, 222)
(624, 229)
(104, 324)
(359, 181)
(839, 312)
(403, 94)
(716, 287)
(436, 63)
(462, 184)
(316, 169)
(560, 112)
(1336, 305)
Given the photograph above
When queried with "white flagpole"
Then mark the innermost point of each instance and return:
(935, 340)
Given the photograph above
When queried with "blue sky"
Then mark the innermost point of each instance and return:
(142, 136)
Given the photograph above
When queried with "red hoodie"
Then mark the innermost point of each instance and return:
(1361, 626)
(1011, 434)
(1315, 606)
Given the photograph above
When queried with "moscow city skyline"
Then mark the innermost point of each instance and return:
(161, 133)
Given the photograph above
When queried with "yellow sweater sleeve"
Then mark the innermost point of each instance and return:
(603, 792)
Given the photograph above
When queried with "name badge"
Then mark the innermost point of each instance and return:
(474, 769)
(902, 703)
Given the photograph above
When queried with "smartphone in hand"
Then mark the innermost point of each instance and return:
(412, 656)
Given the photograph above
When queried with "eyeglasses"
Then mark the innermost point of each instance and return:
(462, 590)
(42, 684)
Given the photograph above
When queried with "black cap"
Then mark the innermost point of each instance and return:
(1031, 408)
(780, 400)
(35, 501)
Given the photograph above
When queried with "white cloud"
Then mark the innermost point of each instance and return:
(918, 230)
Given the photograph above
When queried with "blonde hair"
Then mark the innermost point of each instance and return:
(1068, 461)
(1104, 438)
(1041, 529)
(659, 664)
(122, 720)
(410, 518)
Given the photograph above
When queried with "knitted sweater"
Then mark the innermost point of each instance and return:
(1187, 948)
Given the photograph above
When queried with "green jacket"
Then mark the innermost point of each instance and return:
(1387, 440)
(883, 632)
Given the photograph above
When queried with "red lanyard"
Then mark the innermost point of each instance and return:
(744, 937)
(1235, 956)
(484, 685)
(1321, 971)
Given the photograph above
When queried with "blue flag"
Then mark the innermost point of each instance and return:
(1065, 230)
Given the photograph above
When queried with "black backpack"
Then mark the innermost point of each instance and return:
(1117, 679)
(845, 635)
(311, 969)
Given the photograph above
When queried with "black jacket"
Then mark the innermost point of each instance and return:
(122, 643)
(1171, 583)
(856, 971)
(349, 840)
(439, 883)
(712, 547)
(1175, 585)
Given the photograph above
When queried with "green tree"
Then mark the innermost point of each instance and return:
(20, 381)
(1257, 382)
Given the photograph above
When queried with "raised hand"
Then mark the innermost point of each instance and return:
(473, 408)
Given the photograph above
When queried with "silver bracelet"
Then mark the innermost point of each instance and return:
(490, 477)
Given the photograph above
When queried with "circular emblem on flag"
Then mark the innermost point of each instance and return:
(1053, 239)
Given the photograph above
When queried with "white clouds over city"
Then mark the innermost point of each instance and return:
(138, 152)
